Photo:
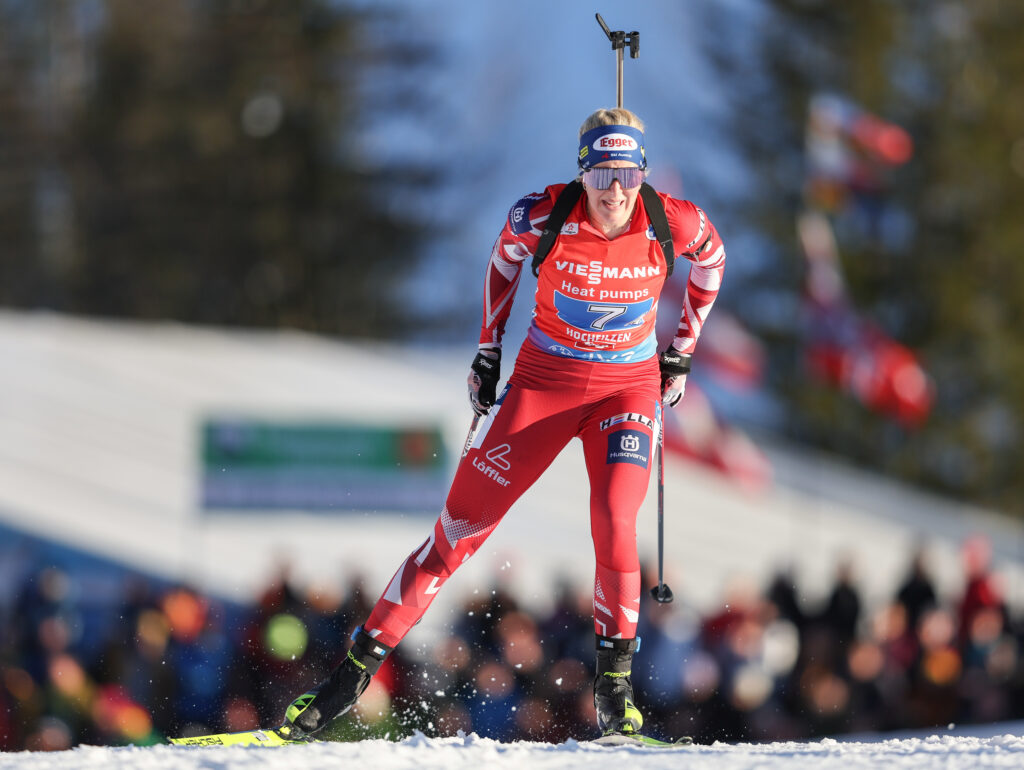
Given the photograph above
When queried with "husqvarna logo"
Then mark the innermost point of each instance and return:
(498, 462)
(629, 446)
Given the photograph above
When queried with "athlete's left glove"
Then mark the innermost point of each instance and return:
(484, 374)
(674, 368)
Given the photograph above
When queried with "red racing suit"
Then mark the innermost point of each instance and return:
(588, 369)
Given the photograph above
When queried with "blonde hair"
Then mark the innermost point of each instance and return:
(617, 116)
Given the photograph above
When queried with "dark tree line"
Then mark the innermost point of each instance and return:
(205, 162)
(948, 281)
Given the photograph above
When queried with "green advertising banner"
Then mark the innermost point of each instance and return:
(256, 464)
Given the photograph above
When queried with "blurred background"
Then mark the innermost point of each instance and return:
(241, 253)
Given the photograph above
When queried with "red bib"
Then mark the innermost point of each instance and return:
(597, 299)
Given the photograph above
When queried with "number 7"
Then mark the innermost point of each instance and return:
(608, 313)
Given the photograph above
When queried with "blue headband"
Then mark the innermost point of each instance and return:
(612, 143)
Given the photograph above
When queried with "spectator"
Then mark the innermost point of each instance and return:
(783, 594)
(917, 593)
(982, 591)
(842, 609)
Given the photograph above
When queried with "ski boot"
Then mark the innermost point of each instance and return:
(613, 688)
(312, 711)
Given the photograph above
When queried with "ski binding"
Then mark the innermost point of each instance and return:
(636, 739)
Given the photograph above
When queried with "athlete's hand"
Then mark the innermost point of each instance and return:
(674, 368)
(483, 378)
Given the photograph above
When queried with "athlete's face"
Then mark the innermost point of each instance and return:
(611, 209)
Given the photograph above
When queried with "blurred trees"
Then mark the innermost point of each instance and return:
(938, 262)
(207, 162)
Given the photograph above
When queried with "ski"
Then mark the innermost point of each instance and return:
(275, 737)
(271, 737)
(635, 739)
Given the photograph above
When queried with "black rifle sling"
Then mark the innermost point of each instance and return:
(559, 213)
(656, 213)
(567, 199)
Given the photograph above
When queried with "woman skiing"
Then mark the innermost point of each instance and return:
(589, 368)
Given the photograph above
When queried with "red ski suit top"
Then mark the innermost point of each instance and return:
(598, 298)
(588, 369)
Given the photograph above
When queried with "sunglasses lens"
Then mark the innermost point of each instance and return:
(602, 178)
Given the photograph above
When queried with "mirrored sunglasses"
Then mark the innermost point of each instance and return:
(602, 178)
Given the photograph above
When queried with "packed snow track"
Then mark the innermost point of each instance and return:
(422, 753)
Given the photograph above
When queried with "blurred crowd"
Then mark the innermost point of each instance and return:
(167, 660)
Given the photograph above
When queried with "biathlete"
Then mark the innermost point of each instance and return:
(588, 368)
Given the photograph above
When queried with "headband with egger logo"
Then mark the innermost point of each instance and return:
(612, 143)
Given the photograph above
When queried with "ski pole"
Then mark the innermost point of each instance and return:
(471, 435)
(661, 592)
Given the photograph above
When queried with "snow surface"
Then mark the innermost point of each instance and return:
(947, 751)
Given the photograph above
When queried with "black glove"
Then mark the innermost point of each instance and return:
(484, 374)
(674, 368)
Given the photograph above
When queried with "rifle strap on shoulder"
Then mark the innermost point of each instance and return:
(559, 213)
(571, 194)
(656, 213)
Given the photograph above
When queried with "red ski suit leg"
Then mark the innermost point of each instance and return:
(548, 401)
(619, 441)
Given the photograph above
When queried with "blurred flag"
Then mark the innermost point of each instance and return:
(849, 351)
(693, 431)
(849, 151)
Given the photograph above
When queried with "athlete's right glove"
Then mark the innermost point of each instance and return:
(484, 374)
(674, 368)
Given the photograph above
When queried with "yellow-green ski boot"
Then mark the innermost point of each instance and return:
(312, 711)
(613, 687)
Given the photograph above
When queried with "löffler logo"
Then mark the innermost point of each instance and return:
(497, 456)
(493, 472)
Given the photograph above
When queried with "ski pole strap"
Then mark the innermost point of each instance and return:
(567, 200)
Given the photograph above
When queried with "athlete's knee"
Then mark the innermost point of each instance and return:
(613, 525)
(620, 554)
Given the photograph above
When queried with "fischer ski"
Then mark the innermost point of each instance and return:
(279, 737)
(636, 739)
(270, 737)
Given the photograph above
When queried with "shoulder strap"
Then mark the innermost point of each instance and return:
(656, 213)
(567, 199)
(559, 212)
